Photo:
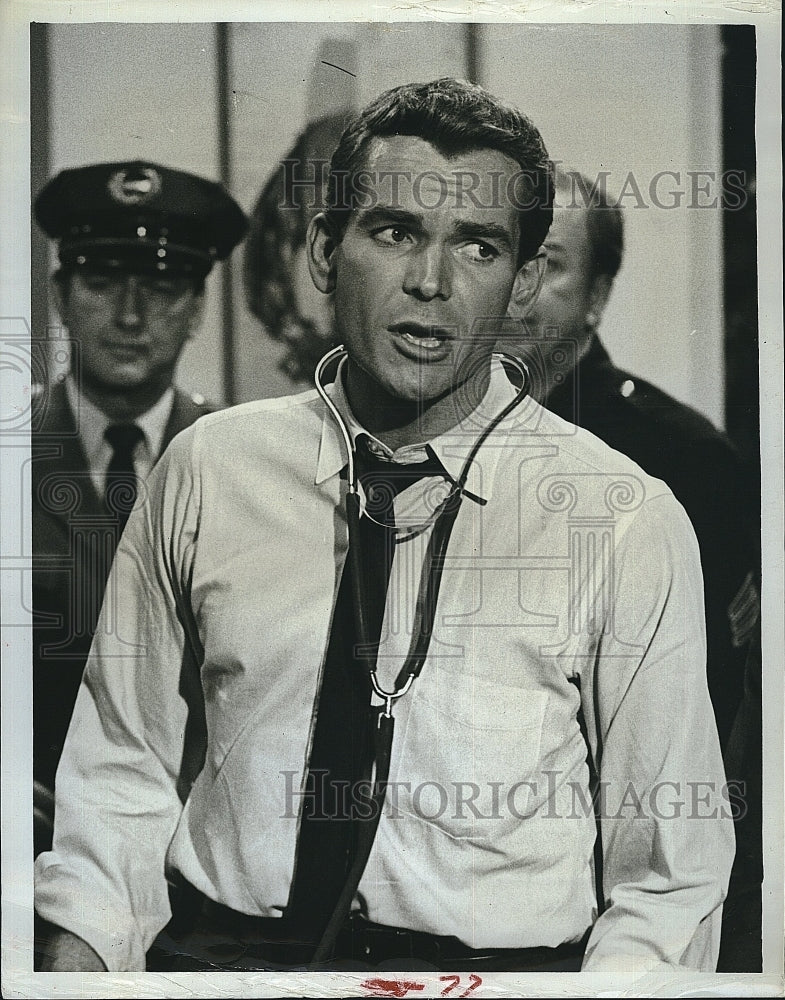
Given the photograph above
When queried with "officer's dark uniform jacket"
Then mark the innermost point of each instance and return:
(677, 444)
(73, 543)
(707, 475)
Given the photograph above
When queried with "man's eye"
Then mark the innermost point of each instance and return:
(479, 251)
(391, 235)
(164, 287)
(167, 288)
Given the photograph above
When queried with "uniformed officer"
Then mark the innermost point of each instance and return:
(136, 242)
(576, 378)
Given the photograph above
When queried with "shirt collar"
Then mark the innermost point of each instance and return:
(92, 422)
(153, 422)
(452, 448)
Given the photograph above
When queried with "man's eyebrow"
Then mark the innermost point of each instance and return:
(485, 231)
(380, 214)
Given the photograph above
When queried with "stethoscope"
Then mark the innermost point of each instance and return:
(443, 519)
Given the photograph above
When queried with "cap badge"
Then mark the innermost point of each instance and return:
(135, 186)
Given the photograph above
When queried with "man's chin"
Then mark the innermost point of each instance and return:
(425, 392)
(120, 381)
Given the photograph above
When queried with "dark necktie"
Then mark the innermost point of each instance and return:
(382, 481)
(341, 741)
(121, 483)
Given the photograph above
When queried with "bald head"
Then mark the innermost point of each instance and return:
(584, 247)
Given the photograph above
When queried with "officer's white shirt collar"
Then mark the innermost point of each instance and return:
(452, 447)
(92, 423)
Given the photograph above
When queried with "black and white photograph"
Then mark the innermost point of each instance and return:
(392, 508)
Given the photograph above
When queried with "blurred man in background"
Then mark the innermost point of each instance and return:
(278, 287)
(136, 242)
(575, 378)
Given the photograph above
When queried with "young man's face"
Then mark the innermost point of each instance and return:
(422, 280)
(131, 327)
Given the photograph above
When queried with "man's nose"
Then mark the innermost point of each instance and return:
(429, 273)
(130, 306)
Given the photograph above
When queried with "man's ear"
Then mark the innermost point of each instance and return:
(321, 245)
(197, 312)
(526, 286)
(60, 297)
(598, 297)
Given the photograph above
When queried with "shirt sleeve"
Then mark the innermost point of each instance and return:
(117, 802)
(666, 830)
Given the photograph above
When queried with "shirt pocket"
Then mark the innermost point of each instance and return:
(470, 755)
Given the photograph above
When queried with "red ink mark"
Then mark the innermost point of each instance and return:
(475, 982)
(390, 987)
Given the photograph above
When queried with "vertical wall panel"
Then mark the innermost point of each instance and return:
(705, 225)
(39, 172)
(740, 237)
(640, 99)
(278, 81)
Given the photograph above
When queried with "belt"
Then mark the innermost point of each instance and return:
(379, 945)
(215, 937)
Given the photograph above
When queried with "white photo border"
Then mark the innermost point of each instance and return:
(15, 17)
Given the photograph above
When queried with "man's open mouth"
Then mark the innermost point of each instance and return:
(422, 335)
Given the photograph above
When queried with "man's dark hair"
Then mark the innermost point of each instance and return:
(455, 117)
(604, 221)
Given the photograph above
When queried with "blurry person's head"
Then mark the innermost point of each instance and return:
(135, 241)
(278, 287)
(584, 246)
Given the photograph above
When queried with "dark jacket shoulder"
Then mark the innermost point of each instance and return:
(186, 409)
(667, 438)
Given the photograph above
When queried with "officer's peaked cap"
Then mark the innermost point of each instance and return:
(140, 215)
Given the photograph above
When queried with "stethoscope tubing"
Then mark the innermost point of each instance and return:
(425, 608)
(424, 618)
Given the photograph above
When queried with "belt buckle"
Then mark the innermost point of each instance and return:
(385, 947)
(373, 943)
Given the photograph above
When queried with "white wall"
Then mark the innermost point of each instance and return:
(278, 82)
(146, 91)
(641, 98)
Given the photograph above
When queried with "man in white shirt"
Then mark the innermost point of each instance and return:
(521, 602)
(136, 242)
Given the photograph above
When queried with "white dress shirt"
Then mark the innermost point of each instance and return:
(92, 423)
(577, 586)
